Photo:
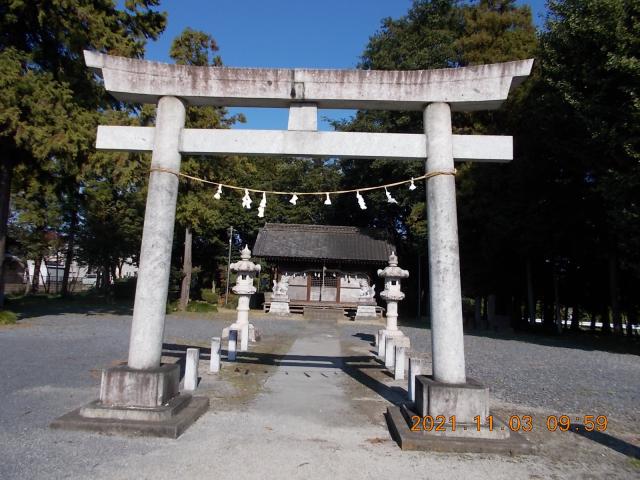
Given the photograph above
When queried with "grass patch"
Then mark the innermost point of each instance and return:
(7, 317)
(232, 301)
(208, 296)
(635, 462)
(91, 300)
(201, 307)
(172, 307)
(196, 306)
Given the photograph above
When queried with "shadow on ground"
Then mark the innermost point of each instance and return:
(582, 340)
(607, 440)
(33, 306)
(362, 368)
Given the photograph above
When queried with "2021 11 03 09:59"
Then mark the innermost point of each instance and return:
(515, 423)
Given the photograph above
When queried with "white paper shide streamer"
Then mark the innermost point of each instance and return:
(294, 197)
(390, 199)
(246, 200)
(263, 205)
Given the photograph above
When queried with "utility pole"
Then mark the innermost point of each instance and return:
(226, 297)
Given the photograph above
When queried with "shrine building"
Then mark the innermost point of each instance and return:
(327, 265)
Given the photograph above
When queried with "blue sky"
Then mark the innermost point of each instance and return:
(285, 33)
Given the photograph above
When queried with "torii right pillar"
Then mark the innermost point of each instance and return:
(448, 397)
(448, 392)
(444, 258)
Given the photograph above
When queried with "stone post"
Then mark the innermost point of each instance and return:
(147, 328)
(191, 369)
(400, 362)
(444, 259)
(390, 352)
(243, 322)
(382, 341)
(214, 363)
(232, 344)
(417, 366)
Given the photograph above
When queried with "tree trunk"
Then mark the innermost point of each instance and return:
(632, 319)
(491, 310)
(516, 313)
(547, 312)
(35, 281)
(606, 326)
(477, 317)
(186, 270)
(615, 293)
(531, 301)
(101, 282)
(6, 173)
(485, 318)
(557, 314)
(106, 275)
(575, 319)
(70, 247)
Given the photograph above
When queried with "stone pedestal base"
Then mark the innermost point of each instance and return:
(126, 387)
(169, 421)
(366, 312)
(279, 307)
(137, 402)
(464, 401)
(407, 429)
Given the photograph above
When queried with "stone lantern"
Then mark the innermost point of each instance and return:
(392, 293)
(244, 288)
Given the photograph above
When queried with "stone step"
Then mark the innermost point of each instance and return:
(324, 314)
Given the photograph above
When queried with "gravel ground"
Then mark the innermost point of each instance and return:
(51, 364)
(555, 377)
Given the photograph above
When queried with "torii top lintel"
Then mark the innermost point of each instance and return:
(481, 87)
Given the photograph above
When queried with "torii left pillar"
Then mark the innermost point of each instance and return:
(144, 390)
(147, 329)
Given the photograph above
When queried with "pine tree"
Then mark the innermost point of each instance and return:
(49, 96)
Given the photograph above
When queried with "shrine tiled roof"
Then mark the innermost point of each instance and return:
(320, 242)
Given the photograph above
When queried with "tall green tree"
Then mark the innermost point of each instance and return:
(590, 52)
(439, 34)
(113, 200)
(196, 48)
(41, 44)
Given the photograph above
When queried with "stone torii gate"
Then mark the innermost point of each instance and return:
(303, 91)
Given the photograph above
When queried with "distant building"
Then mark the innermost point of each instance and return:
(325, 264)
(14, 274)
